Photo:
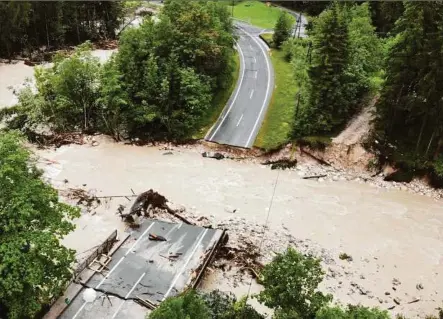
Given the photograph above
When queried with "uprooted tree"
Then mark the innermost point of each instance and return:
(34, 266)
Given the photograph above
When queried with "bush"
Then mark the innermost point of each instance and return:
(214, 305)
(352, 312)
(290, 285)
(188, 305)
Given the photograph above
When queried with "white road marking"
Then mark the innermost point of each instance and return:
(255, 74)
(80, 310)
(113, 268)
(136, 242)
(255, 60)
(238, 123)
(127, 295)
(235, 96)
(250, 47)
(267, 87)
(252, 93)
(184, 266)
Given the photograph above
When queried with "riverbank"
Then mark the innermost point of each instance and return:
(393, 237)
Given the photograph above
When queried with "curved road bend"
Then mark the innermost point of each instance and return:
(241, 119)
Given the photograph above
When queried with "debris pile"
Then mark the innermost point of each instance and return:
(151, 204)
(82, 197)
(283, 163)
(215, 155)
(56, 139)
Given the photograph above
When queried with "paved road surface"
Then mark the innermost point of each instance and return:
(240, 121)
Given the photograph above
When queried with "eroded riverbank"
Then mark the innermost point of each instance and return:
(393, 236)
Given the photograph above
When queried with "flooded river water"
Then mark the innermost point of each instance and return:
(389, 234)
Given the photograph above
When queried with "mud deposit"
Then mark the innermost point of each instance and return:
(395, 238)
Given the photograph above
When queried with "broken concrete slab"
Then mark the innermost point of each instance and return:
(138, 269)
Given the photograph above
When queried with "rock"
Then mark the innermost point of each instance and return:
(396, 282)
(391, 307)
(397, 300)
(283, 163)
(387, 293)
(419, 286)
(321, 180)
(167, 153)
(399, 176)
(301, 173)
(216, 155)
(95, 143)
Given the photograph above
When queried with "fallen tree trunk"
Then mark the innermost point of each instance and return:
(314, 176)
(320, 160)
(147, 201)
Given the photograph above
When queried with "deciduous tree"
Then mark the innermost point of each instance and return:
(291, 285)
(34, 265)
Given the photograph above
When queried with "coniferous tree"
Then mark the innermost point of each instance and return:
(409, 113)
(282, 29)
(328, 96)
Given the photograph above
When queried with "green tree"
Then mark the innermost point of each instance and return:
(365, 48)
(113, 100)
(70, 90)
(282, 29)
(385, 14)
(27, 26)
(14, 19)
(34, 266)
(290, 284)
(346, 62)
(352, 312)
(172, 69)
(225, 306)
(409, 112)
(331, 93)
(186, 306)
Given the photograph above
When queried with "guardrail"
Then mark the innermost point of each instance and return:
(105, 247)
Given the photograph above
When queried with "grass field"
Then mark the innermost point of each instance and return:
(219, 101)
(257, 13)
(277, 125)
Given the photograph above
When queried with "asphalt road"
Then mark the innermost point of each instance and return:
(242, 117)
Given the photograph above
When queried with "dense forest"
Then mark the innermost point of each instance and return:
(409, 112)
(388, 50)
(29, 25)
(159, 85)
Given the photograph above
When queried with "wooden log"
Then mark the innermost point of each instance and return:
(320, 160)
(314, 176)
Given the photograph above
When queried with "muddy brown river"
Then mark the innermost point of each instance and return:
(389, 234)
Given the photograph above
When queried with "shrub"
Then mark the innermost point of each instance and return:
(290, 285)
(352, 312)
(188, 305)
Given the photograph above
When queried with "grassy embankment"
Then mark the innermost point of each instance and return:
(278, 122)
(256, 13)
(219, 101)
